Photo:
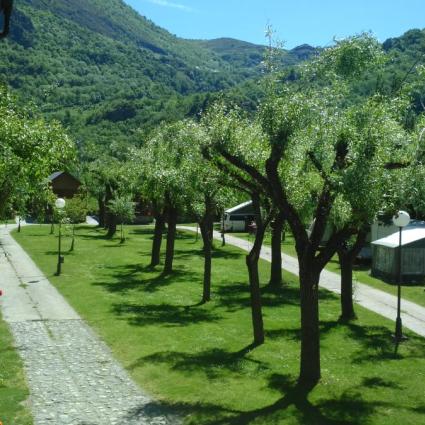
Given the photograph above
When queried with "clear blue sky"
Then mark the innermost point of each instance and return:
(315, 22)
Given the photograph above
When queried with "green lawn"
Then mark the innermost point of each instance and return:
(198, 359)
(13, 388)
(415, 293)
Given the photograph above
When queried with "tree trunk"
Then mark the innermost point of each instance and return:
(110, 218)
(347, 254)
(223, 238)
(157, 238)
(122, 232)
(310, 335)
(346, 265)
(254, 278)
(73, 238)
(112, 225)
(206, 225)
(102, 210)
(276, 248)
(171, 237)
(254, 286)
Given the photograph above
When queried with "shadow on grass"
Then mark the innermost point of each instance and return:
(197, 413)
(377, 344)
(165, 314)
(99, 234)
(143, 231)
(214, 362)
(132, 276)
(378, 382)
(236, 296)
(216, 254)
(350, 408)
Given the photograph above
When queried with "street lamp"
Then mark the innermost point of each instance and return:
(59, 204)
(401, 219)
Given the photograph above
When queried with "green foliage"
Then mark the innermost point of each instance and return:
(350, 57)
(108, 73)
(248, 58)
(76, 209)
(105, 71)
(123, 208)
(30, 150)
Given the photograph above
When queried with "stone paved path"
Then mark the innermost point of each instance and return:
(413, 315)
(72, 376)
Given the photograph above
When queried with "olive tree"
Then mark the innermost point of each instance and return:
(75, 211)
(30, 150)
(208, 192)
(234, 140)
(123, 208)
(323, 160)
(164, 172)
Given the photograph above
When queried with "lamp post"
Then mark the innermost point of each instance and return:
(401, 219)
(59, 204)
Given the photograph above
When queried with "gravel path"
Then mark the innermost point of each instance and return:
(413, 315)
(72, 376)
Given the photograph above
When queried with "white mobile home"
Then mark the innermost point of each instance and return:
(238, 218)
(385, 255)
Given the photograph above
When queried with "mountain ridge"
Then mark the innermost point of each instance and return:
(108, 73)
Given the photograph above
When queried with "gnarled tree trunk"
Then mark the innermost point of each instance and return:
(110, 218)
(6, 7)
(347, 255)
(254, 278)
(346, 266)
(171, 237)
(102, 210)
(276, 248)
(206, 226)
(157, 237)
(310, 334)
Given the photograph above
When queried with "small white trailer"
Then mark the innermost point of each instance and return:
(238, 218)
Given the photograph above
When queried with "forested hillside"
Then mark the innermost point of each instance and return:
(103, 69)
(247, 57)
(406, 56)
(108, 73)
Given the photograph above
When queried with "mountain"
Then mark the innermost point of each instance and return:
(109, 74)
(103, 69)
(247, 57)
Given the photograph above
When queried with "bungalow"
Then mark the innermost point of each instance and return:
(64, 184)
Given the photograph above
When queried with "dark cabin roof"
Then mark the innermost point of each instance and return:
(57, 174)
(54, 175)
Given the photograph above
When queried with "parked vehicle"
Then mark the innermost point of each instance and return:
(238, 218)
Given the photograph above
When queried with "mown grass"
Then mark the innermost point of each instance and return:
(361, 272)
(198, 360)
(13, 388)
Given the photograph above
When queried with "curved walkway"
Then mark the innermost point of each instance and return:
(72, 376)
(413, 315)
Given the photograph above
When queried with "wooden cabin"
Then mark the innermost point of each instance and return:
(64, 184)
